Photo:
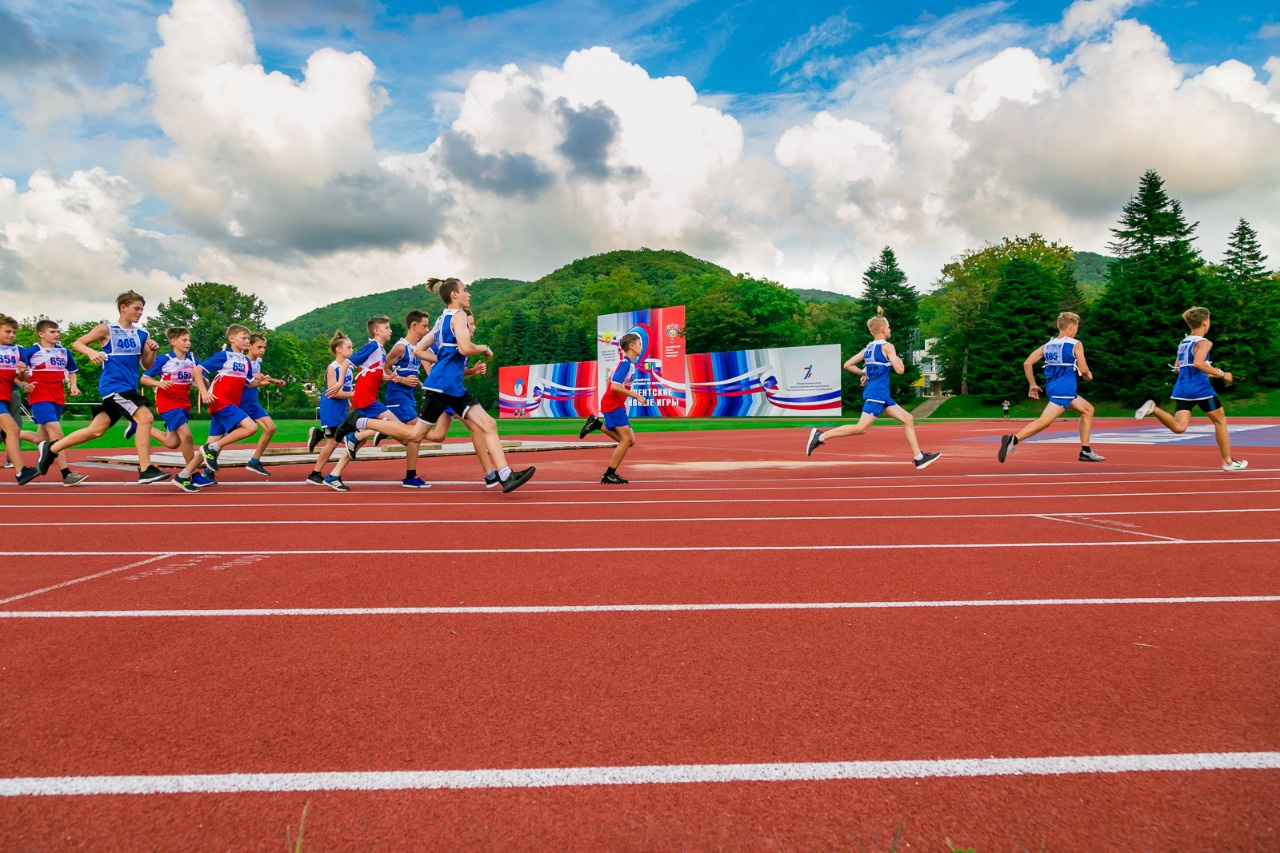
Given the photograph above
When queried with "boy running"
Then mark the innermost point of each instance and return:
(1063, 360)
(126, 352)
(50, 367)
(1192, 388)
(253, 408)
(171, 376)
(401, 373)
(228, 423)
(12, 370)
(339, 382)
(613, 406)
(880, 357)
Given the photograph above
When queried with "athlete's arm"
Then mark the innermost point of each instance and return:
(892, 353)
(1081, 364)
(465, 345)
(851, 364)
(96, 335)
(1028, 367)
(1201, 353)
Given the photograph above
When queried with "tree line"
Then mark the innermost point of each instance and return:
(988, 309)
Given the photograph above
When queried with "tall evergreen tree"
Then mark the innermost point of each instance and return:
(1016, 323)
(884, 285)
(1246, 317)
(1156, 276)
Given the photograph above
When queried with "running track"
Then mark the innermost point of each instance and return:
(742, 649)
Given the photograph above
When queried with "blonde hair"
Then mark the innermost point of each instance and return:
(1066, 318)
(336, 341)
(235, 329)
(1195, 317)
(127, 297)
(878, 323)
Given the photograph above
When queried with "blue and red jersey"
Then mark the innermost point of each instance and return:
(230, 371)
(368, 362)
(624, 374)
(180, 372)
(50, 369)
(10, 358)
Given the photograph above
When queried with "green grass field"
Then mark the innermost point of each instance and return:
(1266, 404)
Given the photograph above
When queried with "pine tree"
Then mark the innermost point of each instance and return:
(1015, 324)
(884, 285)
(1246, 317)
(1136, 323)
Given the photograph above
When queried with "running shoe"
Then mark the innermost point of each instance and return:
(130, 430)
(314, 436)
(613, 480)
(256, 466)
(210, 456)
(378, 438)
(336, 484)
(517, 479)
(73, 479)
(347, 426)
(1144, 410)
(315, 478)
(925, 460)
(415, 483)
(44, 457)
(491, 480)
(151, 475)
(1091, 456)
(352, 444)
(1236, 465)
(201, 479)
(815, 440)
(185, 484)
(1006, 447)
(593, 423)
(26, 475)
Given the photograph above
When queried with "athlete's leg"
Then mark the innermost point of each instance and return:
(908, 427)
(1085, 408)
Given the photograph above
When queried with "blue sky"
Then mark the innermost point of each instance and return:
(309, 149)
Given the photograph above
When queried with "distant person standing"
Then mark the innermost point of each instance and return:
(1005, 407)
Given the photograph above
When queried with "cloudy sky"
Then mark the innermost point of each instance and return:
(309, 150)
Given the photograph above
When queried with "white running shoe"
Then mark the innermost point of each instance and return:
(1091, 456)
(1144, 410)
(1235, 465)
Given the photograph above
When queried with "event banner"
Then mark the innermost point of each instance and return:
(660, 370)
(565, 390)
(766, 382)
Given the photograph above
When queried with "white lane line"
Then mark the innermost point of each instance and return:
(755, 519)
(517, 610)
(1110, 529)
(609, 549)
(593, 500)
(86, 578)
(663, 774)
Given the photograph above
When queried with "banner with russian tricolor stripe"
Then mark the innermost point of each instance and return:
(787, 381)
(565, 390)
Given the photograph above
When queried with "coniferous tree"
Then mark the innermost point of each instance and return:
(1016, 323)
(1137, 321)
(884, 285)
(1247, 317)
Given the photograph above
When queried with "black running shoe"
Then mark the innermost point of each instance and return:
(1006, 447)
(815, 441)
(45, 457)
(347, 426)
(592, 423)
(152, 475)
(315, 478)
(925, 460)
(613, 480)
(517, 479)
(210, 457)
(185, 484)
(314, 436)
(71, 478)
(378, 438)
(26, 475)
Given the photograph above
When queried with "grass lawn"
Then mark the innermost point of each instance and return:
(1265, 404)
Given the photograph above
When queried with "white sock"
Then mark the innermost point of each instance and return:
(917, 457)
(505, 472)
(361, 423)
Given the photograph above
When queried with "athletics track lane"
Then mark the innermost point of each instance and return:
(932, 672)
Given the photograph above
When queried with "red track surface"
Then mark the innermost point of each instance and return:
(896, 620)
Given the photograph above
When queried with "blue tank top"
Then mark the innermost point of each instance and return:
(124, 360)
(333, 411)
(407, 365)
(877, 366)
(1060, 367)
(1192, 382)
(446, 376)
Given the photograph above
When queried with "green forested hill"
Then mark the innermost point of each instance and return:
(350, 314)
(1091, 273)
(812, 294)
